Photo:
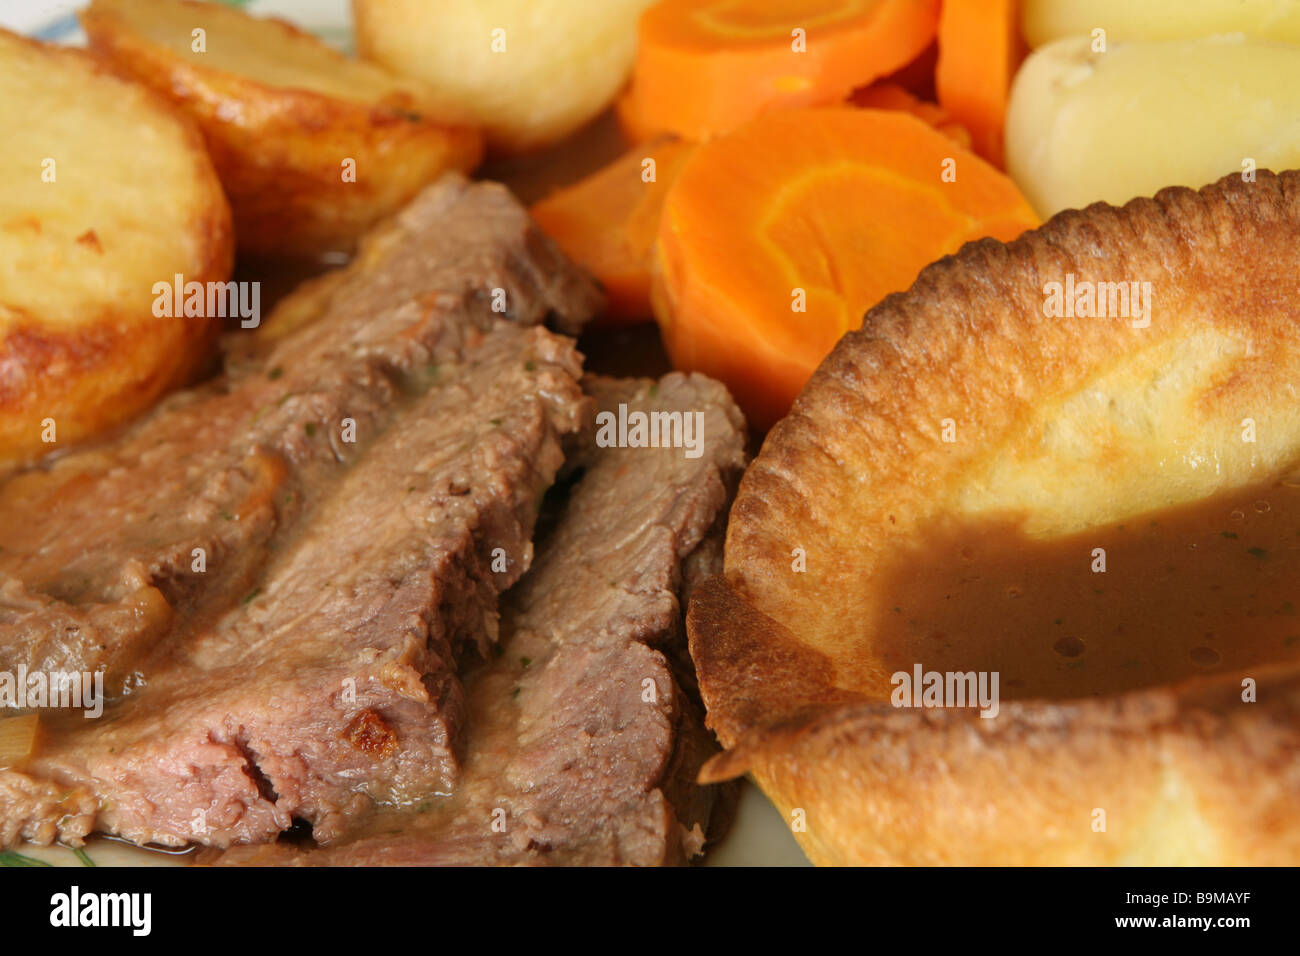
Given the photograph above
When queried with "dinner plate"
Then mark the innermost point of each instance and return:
(56, 20)
(759, 835)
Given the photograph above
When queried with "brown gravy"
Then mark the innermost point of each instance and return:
(1210, 587)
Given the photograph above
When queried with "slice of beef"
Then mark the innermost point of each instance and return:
(583, 736)
(333, 685)
(317, 676)
(100, 550)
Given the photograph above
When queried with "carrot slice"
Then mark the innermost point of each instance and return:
(979, 50)
(886, 95)
(608, 223)
(704, 67)
(630, 123)
(827, 210)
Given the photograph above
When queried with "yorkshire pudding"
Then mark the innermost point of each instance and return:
(1022, 470)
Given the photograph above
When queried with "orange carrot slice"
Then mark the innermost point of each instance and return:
(608, 223)
(704, 67)
(979, 51)
(630, 124)
(886, 95)
(777, 238)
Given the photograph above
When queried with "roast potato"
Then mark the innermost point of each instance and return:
(313, 147)
(105, 190)
(529, 71)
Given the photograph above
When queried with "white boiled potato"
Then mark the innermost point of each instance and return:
(1085, 126)
(528, 71)
(1043, 21)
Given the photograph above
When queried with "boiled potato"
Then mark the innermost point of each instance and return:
(313, 147)
(105, 190)
(1085, 126)
(1043, 21)
(529, 71)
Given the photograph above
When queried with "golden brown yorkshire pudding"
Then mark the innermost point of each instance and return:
(1080, 490)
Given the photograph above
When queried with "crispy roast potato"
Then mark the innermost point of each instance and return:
(312, 146)
(530, 72)
(105, 190)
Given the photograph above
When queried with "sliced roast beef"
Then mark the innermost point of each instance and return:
(583, 735)
(319, 675)
(107, 552)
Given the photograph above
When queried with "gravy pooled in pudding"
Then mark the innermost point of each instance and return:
(1211, 586)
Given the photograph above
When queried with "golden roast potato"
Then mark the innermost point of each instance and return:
(313, 147)
(105, 192)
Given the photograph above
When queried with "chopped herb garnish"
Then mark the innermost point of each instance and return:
(84, 857)
(516, 693)
(10, 858)
(275, 373)
(1230, 534)
(530, 366)
(309, 428)
(525, 661)
(252, 594)
(1257, 552)
(654, 389)
(496, 421)
(227, 515)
